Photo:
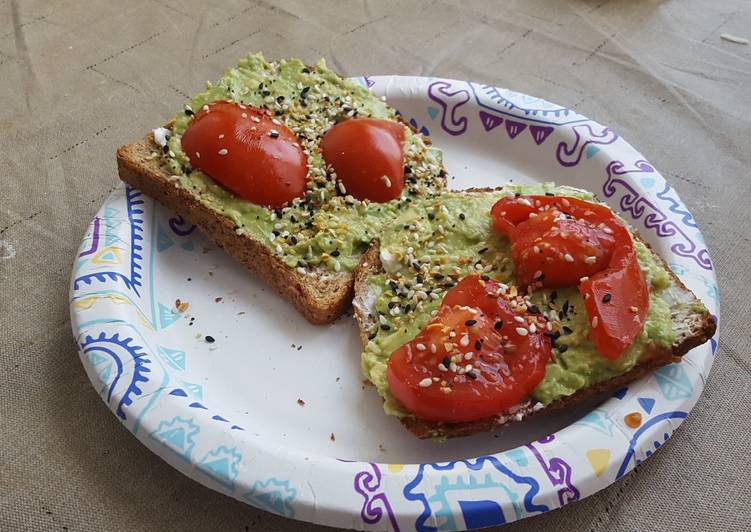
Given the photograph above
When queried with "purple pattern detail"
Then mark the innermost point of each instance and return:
(490, 121)
(558, 472)
(94, 239)
(513, 128)
(180, 226)
(540, 133)
(654, 218)
(450, 101)
(368, 82)
(571, 156)
(367, 484)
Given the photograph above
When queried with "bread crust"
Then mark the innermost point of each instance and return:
(701, 329)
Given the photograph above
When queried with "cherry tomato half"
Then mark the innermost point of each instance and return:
(469, 362)
(367, 155)
(561, 241)
(248, 151)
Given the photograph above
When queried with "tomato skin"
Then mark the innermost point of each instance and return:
(506, 366)
(597, 255)
(364, 150)
(256, 158)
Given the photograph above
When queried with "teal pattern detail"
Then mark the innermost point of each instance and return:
(173, 357)
(273, 495)
(674, 382)
(222, 464)
(598, 420)
(177, 435)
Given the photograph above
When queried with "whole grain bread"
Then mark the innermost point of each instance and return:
(693, 329)
(321, 296)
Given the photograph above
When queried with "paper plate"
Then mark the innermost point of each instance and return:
(274, 411)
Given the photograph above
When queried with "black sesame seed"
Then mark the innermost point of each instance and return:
(606, 298)
(391, 304)
(478, 344)
(266, 93)
(534, 309)
(562, 348)
(407, 308)
(385, 327)
(293, 239)
(335, 253)
(438, 276)
(393, 285)
(275, 232)
(420, 279)
(274, 134)
(446, 361)
(165, 148)
(470, 323)
(553, 295)
(549, 194)
(431, 216)
(209, 339)
(565, 307)
(188, 112)
(407, 170)
(485, 277)
(471, 374)
(373, 335)
(498, 325)
(461, 216)
(567, 330)
(483, 250)
(306, 70)
(279, 99)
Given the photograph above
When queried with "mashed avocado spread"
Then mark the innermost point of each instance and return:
(326, 228)
(429, 238)
(450, 237)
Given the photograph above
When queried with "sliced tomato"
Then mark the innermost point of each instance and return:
(469, 362)
(561, 241)
(367, 155)
(248, 151)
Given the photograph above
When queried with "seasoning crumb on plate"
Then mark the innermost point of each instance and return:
(301, 402)
(333, 438)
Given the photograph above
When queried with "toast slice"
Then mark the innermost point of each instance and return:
(321, 290)
(691, 323)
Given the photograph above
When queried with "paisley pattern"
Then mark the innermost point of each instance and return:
(143, 370)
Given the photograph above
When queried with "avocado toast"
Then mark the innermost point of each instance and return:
(402, 280)
(308, 248)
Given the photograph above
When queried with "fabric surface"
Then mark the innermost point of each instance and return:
(78, 79)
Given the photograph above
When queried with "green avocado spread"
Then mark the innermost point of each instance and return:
(429, 238)
(327, 228)
(450, 237)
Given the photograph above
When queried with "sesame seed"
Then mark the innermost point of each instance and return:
(223, 151)
(582, 279)
(468, 355)
(441, 367)
(533, 328)
(446, 390)
(221, 136)
(433, 348)
(568, 258)
(301, 270)
(608, 230)
(538, 275)
(386, 181)
(198, 155)
(634, 309)
(590, 260)
(525, 201)
(464, 342)
(565, 202)
(606, 298)
(453, 367)
(427, 381)
(595, 322)
(519, 319)
(420, 347)
(521, 331)
(470, 323)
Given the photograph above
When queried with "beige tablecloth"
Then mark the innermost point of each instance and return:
(78, 78)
